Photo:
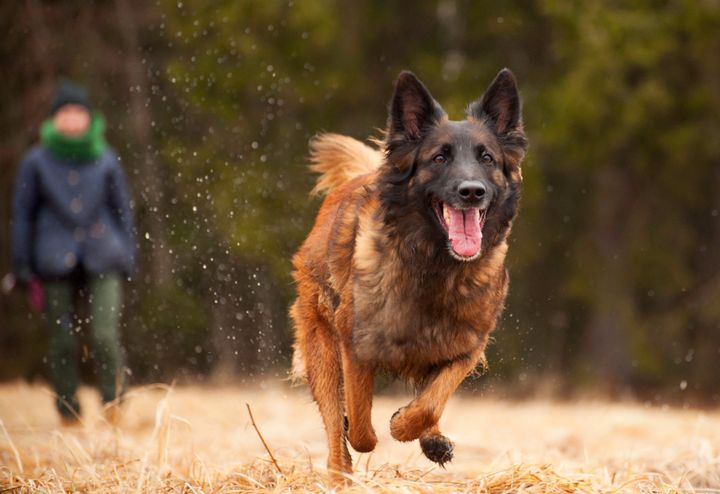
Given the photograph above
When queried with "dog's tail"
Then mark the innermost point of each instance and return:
(339, 158)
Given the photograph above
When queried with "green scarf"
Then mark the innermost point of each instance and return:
(87, 147)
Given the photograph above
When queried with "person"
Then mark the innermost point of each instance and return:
(72, 229)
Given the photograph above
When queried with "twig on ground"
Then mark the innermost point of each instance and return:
(267, 448)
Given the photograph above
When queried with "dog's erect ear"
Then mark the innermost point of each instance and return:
(412, 109)
(500, 104)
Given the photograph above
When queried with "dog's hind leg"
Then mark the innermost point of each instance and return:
(358, 382)
(320, 349)
(423, 413)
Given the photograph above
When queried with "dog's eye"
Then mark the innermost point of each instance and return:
(487, 158)
(439, 159)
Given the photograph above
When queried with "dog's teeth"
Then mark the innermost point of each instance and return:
(446, 214)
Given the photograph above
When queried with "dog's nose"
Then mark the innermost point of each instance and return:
(471, 190)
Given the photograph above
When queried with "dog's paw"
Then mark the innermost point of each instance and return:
(437, 448)
(409, 422)
(362, 442)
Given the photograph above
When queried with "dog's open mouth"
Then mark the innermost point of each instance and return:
(463, 228)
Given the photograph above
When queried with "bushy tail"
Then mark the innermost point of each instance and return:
(339, 158)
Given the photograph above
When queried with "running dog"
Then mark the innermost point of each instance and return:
(403, 271)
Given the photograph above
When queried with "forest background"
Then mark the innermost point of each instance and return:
(614, 260)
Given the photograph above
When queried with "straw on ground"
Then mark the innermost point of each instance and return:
(201, 440)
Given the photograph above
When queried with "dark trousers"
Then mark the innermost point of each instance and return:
(104, 298)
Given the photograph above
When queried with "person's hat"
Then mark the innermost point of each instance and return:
(69, 93)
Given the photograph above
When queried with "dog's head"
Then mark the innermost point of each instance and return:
(460, 179)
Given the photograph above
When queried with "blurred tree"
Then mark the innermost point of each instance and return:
(157, 263)
(623, 129)
(615, 256)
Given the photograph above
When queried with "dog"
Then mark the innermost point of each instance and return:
(403, 271)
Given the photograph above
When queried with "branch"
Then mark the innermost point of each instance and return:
(267, 448)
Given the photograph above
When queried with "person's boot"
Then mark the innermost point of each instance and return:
(69, 420)
(69, 409)
(112, 413)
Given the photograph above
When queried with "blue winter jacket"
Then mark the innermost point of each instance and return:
(68, 215)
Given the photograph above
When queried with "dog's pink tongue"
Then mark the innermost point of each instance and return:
(464, 230)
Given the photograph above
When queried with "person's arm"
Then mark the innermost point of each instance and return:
(120, 204)
(24, 207)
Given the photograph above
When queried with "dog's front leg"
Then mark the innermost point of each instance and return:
(358, 380)
(423, 413)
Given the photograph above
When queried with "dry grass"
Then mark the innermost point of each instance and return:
(195, 439)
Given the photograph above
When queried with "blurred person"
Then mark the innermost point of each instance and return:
(73, 234)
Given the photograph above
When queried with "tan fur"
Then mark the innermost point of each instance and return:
(298, 373)
(338, 159)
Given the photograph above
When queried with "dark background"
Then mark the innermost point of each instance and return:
(614, 260)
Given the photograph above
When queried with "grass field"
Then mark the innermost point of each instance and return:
(200, 439)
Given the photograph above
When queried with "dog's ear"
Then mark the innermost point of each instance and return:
(501, 107)
(412, 109)
(500, 104)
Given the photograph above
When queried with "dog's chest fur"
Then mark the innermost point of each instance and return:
(410, 314)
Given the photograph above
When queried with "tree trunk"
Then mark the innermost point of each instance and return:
(268, 341)
(222, 333)
(612, 313)
(706, 344)
(159, 263)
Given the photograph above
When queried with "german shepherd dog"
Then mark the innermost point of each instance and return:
(403, 271)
